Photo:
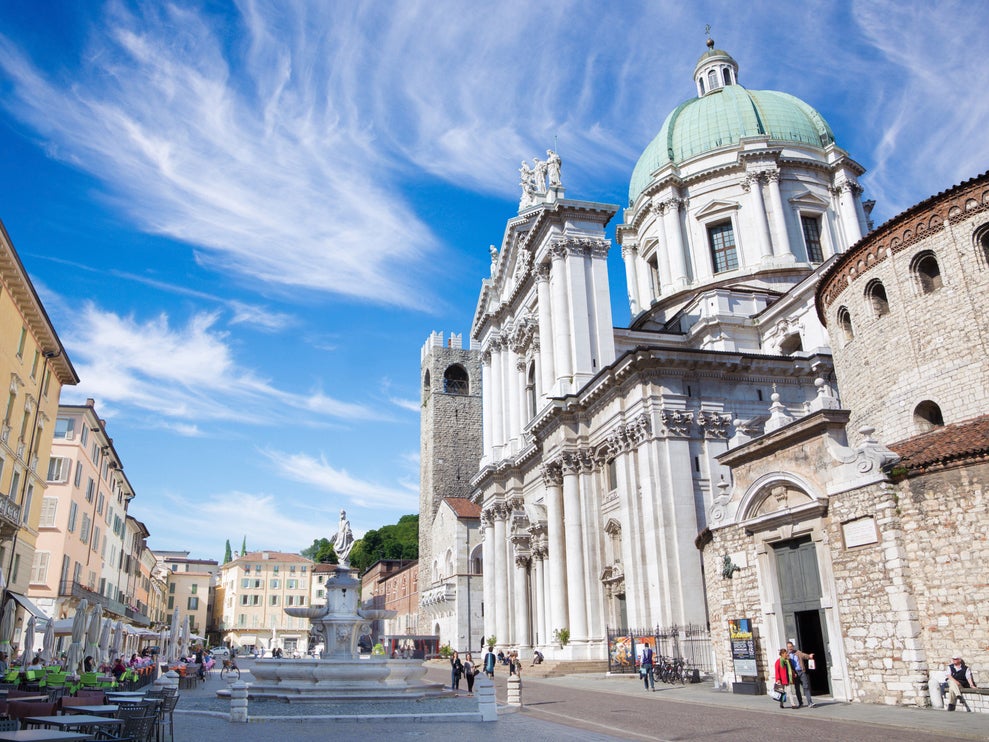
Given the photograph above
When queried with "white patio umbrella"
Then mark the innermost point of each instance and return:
(7, 627)
(93, 633)
(117, 645)
(28, 654)
(173, 638)
(75, 656)
(104, 641)
(48, 642)
(185, 637)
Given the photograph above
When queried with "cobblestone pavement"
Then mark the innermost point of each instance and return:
(579, 707)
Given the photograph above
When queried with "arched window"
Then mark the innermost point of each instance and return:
(426, 385)
(436, 571)
(982, 240)
(927, 416)
(455, 380)
(712, 79)
(449, 562)
(700, 81)
(477, 560)
(927, 272)
(726, 74)
(845, 323)
(875, 293)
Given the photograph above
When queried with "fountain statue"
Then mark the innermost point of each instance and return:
(340, 672)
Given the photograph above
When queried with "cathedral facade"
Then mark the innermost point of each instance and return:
(600, 445)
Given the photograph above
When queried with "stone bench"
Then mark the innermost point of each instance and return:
(977, 699)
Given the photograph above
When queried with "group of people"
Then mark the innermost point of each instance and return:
(793, 674)
(465, 669)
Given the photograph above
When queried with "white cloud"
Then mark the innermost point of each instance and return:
(180, 372)
(412, 405)
(317, 472)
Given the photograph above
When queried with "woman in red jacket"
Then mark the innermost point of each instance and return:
(786, 677)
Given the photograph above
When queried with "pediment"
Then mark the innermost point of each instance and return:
(808, 199)
(717, 207)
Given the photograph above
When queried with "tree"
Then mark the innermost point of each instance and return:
(398, 541)
(243, 547)
(227, 554)
(321, 552)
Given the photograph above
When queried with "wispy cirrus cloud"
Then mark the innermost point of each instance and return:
(184, 373)
(319, 473)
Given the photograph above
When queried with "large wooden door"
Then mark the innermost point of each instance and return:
(800, 600)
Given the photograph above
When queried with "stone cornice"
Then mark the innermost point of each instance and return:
(905, 230)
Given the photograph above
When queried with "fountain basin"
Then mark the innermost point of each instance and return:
(338, 679)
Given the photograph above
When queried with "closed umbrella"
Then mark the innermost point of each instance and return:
(48, 642)
(173, 638)
(75, 656)
(185, 637)
(105, 641)
(28, 653)
(117, 645)
(93, 633)
(7, 627)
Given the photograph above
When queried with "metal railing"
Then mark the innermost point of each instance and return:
(76, 590)
(692, 643)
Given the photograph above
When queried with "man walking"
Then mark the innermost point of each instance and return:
(645, 668)
(800, 661)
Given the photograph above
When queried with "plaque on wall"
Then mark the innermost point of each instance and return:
(860, 532)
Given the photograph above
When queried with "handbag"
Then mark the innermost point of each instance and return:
(778, 693)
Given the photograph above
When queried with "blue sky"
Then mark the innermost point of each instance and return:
(245, 218)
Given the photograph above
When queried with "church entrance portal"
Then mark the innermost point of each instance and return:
(800, 600)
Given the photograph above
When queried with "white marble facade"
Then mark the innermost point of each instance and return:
(599, 444)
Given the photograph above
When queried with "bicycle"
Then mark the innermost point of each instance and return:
(230, 671)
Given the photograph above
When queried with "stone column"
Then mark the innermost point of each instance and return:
(488, 558)
(523, 394)
(847, 194)
(546, 340)
(577, 596)
(556, 550)
(501, 574)
(781, 239)
(514, 392)
(522, 634)
(538, 591)
(629, 257)
(486, 386)
(590, 503)
(674, 241)
(578, 295)
(603, 350)
(753, 184)
(562, 331)
(497, 423)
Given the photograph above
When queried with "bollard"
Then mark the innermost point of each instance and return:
(514, 690)
(487, 706)
(168, 679)
(238, 702)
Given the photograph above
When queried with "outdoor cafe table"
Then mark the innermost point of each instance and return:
(28, 698)
(43, 735)
(126, 694)
(73, 721)
(106, 709)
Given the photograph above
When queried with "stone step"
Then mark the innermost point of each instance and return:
(559, 668)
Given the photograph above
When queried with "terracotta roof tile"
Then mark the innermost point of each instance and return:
(463, 507)
(959, 441)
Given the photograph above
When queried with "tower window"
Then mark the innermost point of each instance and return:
(875, 292)
(657, 286)
(811, 226)
(712, 79)
(726, 74)
(845, 323)
(456, 381)
(722, 240)
(927, 416)
(927, 272)
(983, 240)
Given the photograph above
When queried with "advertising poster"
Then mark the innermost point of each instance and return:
(742, 647)
(621, 653)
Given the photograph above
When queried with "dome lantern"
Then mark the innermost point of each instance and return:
(714, 70)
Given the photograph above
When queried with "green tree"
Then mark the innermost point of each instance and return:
(243, 547)
(227, 554)
(321, 552)
(398, 541)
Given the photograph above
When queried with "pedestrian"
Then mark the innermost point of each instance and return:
(959, 676)
(801, 666)
(787, 678)
(645, 669)
(489, 663)
(470, 670)
(456, 671)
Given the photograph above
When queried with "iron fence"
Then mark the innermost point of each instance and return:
(691, 643)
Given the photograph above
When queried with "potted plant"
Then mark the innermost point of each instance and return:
(562, 637)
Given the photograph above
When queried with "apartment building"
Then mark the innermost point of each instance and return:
(84, 547)
(256, 588)
(35, 367)
(190, 584)
(393, 584)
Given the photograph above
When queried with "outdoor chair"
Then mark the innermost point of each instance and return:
(136, 728)
(9, 725)
(19, 693)
(165, 711)
(89, 680)
(67, 701)
(21, 709)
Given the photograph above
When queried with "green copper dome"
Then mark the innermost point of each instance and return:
(720, 119)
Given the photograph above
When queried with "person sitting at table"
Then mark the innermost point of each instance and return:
(37, 663)
(118, 668)
(88, 665)
(135, 661)
(3, 663)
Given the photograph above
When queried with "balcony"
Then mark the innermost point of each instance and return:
(75, 590)
(10, 514)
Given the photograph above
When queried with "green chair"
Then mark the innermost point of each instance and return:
(12, 676)
(89, 680)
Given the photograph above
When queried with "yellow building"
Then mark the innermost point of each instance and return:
(256, 588)
(35, 367)
(190, 585)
